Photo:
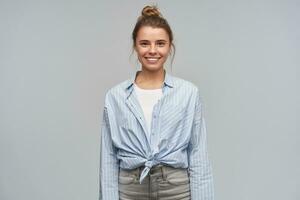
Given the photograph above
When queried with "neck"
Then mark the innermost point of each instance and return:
(150, 79)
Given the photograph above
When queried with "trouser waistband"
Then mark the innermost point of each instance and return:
(157, 170)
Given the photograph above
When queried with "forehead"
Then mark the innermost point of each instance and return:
(150, 33)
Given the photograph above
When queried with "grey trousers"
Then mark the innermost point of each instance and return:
(162, 182)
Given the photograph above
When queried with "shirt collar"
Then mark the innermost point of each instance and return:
(167, 81)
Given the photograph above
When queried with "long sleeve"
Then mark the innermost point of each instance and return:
(200, 170)
(109, 167)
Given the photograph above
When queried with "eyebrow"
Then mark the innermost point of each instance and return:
(161, 40)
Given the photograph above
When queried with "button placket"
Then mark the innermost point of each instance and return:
(155, 128)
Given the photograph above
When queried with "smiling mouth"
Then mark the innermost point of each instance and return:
(152, 59)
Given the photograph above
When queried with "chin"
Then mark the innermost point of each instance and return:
(152, 68)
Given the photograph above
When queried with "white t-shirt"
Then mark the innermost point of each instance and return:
(147, 99)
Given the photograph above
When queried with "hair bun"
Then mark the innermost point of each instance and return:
(149, 11)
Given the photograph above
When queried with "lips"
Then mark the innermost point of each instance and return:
(152, 59)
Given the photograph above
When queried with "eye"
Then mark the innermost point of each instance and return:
(143, 44)
(161, 44)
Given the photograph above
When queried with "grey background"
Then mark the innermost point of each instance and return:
(58, 58)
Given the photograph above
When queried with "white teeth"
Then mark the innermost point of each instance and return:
(152, 59)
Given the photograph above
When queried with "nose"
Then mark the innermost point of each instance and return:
(152, 49)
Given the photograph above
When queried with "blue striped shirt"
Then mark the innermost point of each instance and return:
(177, 137)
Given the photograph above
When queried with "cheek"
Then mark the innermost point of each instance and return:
(141, 52)
(165, 53)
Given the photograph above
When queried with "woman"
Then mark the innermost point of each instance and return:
(153, 140)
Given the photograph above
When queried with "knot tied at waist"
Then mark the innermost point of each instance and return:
(148, 165)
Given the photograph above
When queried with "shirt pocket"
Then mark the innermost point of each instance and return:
(123, 122)
(171, 115)
(127, 122)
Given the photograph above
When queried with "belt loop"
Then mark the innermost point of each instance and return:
(164, 174)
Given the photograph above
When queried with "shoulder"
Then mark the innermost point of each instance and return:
(117, 91)
(188, 88)
(118, 87)
(184, 84)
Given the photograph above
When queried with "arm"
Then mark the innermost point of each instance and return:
(109, 167)
(200, 171)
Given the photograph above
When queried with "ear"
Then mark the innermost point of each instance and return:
(134, 47)
(170, 51)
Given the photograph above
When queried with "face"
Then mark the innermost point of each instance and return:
(152, 47)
